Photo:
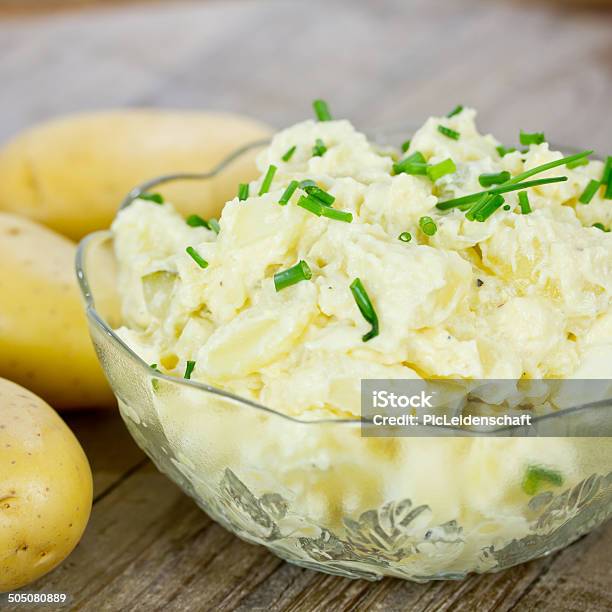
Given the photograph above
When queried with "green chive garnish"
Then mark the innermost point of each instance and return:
(507, 207)
(503, 151)
(438, 170)
(293, 275)
(156, 198)
(607, 172)
(265, 185)
(319, 194)
(284, 199)
(536, 476)
(153, 366)
(338, 215)
(321, 110)
(527, 139)
(362, 299)
(553, 164)
(307, 183)
(607, 178)
(601, 227)
(405, 145)
(405, 237)
(495, 178)
(448, 132)
(189, 369)
(505, 188)
(523, 198)
(197, 221)
(319, 148)
(243, 191)
(413, 164)
(196, 257)
(311, 204)
(428, 226)
(478, 205)
(289, 154)
(579, 162)
(490, 206)
(455, 111)
(589, 192)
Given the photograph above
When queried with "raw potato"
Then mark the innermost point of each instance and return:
(72, 173)
(45, 488)
(44, 342)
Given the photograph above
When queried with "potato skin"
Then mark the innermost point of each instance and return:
(45, 488)
(72, 173)
(44, 341)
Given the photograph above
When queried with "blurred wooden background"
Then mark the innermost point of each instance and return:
(535, 65)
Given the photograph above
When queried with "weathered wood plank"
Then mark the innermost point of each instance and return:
(109, 447)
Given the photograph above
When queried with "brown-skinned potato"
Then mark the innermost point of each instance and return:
(72, 173)
(45, 488)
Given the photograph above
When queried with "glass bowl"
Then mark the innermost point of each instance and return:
(318, 494)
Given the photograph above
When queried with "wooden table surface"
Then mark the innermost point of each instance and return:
(531, 65)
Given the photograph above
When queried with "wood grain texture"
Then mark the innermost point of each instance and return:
(530, 65)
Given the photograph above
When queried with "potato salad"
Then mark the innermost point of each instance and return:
(452, 257)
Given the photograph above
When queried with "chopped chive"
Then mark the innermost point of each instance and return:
(493, 178)
(189, 369)
(505, 188)
(579, 162)
(507, 207)
(156, 198)
(197, 221)
(413, 164)
(477, 205)
(153, 366)
(321, 110)
(523, 198)
(405, 145)
(320, 194)
(536, 476)
(362, 299)
(405, 237)
(243, 191)
(289, 154)
(607, 172)
(284, 199)
(293, 275)
(214, 225)
(196, 257)
(338, 215)
(311, 204)
(601, 227)
(548, 166)
(589, 191)
(606, 179)
(265, 185)
(443, 168)
(455, 111)
(319, 148)
(448, 132)
(428, 226)
(307, 183)
(527, 138)
(503, 151)
(490, 206)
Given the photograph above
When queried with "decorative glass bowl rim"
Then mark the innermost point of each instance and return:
(95, 237)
